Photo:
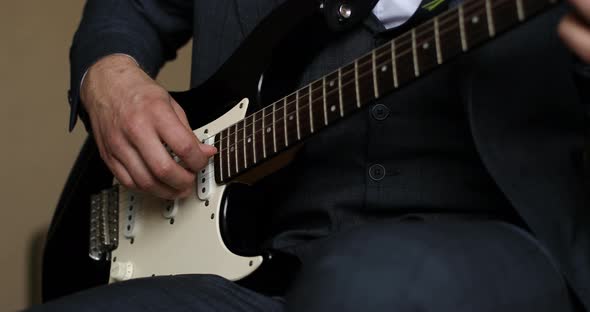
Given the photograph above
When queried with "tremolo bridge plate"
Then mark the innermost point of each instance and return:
(104, 223)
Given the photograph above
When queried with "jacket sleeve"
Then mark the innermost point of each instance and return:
(150, 31)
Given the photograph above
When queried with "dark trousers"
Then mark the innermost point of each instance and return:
(410, 264)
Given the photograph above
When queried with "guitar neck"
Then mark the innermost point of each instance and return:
(292, 119)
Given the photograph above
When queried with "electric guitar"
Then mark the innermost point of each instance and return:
(142, 236)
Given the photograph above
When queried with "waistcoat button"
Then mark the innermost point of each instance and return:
(380, 112)
(377, 172)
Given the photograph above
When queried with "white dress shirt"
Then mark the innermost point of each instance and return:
(393, 13)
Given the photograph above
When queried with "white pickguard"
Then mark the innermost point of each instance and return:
(192, 243)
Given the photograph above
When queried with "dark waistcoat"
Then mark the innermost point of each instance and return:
(508, 112)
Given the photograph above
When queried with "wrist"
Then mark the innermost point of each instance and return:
(109, 69)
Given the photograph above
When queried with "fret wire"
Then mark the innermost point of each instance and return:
(437, 42)
(394, 64)
(505, 16)
(317, 98)
(384, 78)
(356, 83)
(375, 87)
(285, 121)
(477, 23)
(490, 18)
(290, 116)
(310, 109)
(324, 96)
(520, 10)
(244, 144)
(274, 129)
(415, 54)
(254, 138)
(221, 155)
(462, 28)
(297, 114)
(406, 69)
(235, 147)
(263, 128)
(228, 158)
(340, 92)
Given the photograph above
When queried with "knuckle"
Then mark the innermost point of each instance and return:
(141, 97)
(115, 143)
(135, 125)
(185, 149)
(146, 184)
(148, 95)
(126, 182)
(164, 169)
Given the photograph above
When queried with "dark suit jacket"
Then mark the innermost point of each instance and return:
(525, 116)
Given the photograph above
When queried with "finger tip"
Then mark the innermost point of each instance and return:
(209, 150)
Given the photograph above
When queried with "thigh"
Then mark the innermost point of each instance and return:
(166, 293)
(436, 264)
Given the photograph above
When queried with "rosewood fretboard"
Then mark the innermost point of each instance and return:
(290, 120)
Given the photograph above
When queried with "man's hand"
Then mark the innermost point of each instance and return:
(132, 117)
(574, 29)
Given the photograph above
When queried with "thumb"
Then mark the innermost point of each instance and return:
(208, 150)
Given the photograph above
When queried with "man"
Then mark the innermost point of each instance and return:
(434, 219)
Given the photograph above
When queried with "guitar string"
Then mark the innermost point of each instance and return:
(314, 101)
(369, 62)
(477, 36)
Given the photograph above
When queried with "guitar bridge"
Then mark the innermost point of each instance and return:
(104, 224)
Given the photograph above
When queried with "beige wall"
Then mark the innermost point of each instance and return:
(36, 149)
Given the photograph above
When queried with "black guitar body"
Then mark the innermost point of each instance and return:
(67, 268)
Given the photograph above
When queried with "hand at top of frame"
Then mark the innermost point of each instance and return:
(131, 117)
(574, 29)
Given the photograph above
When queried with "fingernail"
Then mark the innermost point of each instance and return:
(208, 149)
